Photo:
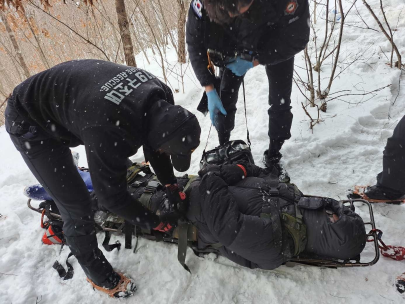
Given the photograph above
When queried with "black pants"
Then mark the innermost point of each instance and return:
(393, 174)
(280, 78)
(52, 164)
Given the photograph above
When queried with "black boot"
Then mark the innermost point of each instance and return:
(272, 162)
(382, 193)
(400, 284)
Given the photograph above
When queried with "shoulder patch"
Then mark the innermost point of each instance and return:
(291, 7)
(197, 7)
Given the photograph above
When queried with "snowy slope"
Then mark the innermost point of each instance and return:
(344, 150)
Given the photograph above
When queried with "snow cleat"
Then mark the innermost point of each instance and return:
(123, 289)
(375, 194)
(273, 163)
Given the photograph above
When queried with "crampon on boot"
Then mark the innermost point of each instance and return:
(376, 194)
(123, 289)
(400, 284)
(273, 162)
(382, 193)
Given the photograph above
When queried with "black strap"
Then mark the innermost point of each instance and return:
(61, 271)
(244, 103)
(150, 189)
(191, 178)
(128, 229)
(271, 210)
(182, 244)
(208, 137)
(110, 247)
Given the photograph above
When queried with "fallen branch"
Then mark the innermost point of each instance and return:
(10, 274)
(362, 94)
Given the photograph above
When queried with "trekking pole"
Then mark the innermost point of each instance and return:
(244, 103)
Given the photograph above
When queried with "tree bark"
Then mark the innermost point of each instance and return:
(181, 31)
(125, 33)
(15, 45)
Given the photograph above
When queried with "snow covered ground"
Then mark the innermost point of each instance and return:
(344, 150)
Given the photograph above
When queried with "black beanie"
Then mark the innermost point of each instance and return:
(175, 131)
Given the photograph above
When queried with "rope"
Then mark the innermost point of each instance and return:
(244, 103)
(396, 253)
(210, 68)
(206, 142)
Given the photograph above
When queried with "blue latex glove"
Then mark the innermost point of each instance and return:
(214, 105)
(239, 66)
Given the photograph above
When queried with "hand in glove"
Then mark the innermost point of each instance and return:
(214, 106)
(231, 174)
(234, 173)
(213, 169)
(176, 198)
(239, 66)
(168, 220)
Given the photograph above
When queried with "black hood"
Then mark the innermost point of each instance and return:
(175, 131)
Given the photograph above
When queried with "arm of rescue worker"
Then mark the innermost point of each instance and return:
(161, 164)
(232, 173)
(197, 51)
(107, 154)
(250, 237)
(287, 36)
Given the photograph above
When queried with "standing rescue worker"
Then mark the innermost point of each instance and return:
(238, 35)
(391, 181)
(112, 110)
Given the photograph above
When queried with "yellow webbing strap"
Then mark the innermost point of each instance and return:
(210, 66)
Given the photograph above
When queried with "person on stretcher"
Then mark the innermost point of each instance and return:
(257, 222)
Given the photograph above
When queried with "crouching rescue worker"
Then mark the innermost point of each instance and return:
(112, 110)
(241, 34)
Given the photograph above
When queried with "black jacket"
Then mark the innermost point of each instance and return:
(104, 106)
(272, 30)
(230, 215)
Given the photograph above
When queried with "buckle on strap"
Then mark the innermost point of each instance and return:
(152, 186)
(273, 191)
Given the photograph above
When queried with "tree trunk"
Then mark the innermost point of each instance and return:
(169, 32)
(15, 45)
(181, 31)
(125, 33)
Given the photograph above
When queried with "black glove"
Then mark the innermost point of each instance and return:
(169, 217)
(232, 174)
(216, 169)
(168, 221)
(177, 198)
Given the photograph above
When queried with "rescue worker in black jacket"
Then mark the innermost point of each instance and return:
(391, 181)
(240, 34)
(112, 110)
